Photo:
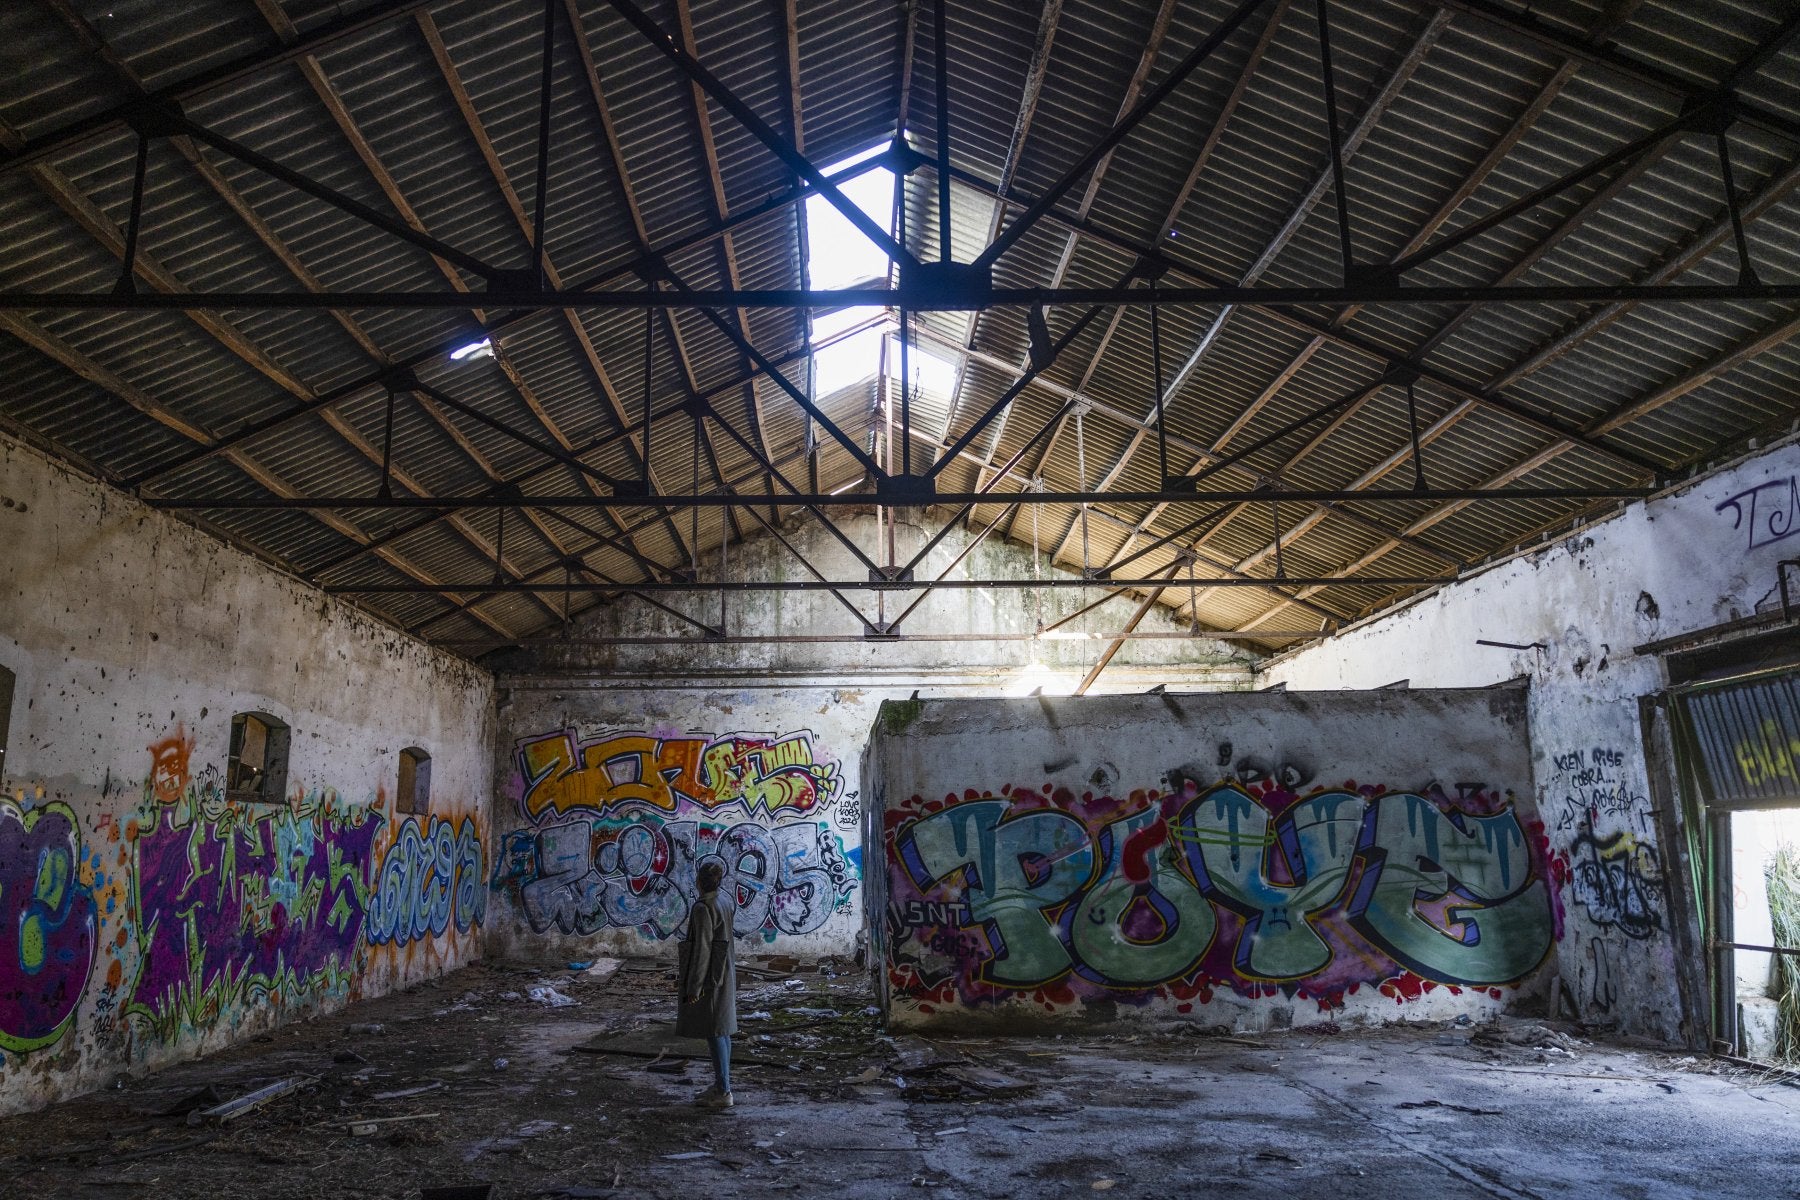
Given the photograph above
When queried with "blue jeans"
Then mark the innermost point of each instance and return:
(720, 1048)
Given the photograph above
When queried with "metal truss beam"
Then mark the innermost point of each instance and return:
(918, 299)
(884, 585)
(849, 500)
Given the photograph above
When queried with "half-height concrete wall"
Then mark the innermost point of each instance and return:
(1256, 860)
(1699, 558)
(626, 760)
(145, 914)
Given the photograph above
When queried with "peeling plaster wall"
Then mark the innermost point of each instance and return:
(1683, 562)
(1253, 860)
(144, 919)
(622, 767)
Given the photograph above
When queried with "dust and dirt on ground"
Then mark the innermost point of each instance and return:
(516, 1081)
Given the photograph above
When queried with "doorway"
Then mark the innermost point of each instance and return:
(1735, 721)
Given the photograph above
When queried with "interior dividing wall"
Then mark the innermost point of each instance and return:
(145, 914)
(1254, 860)
(1582, 617)
(636, 748)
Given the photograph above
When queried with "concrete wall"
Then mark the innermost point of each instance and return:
(1254, 860)
(1688, 561)
(623, 766)
(143, 918)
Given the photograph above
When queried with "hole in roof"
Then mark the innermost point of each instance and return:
(839, 256)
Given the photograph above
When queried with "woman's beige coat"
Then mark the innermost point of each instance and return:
(709, 970)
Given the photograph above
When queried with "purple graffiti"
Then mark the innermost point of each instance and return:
(248, 904)
(46, 925)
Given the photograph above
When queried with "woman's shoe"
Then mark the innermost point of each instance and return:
(712, 1097)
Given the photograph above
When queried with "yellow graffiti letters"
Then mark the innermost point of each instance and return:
(561, 775)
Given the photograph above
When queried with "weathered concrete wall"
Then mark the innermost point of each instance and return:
(1257, 860)
(142, 917)
(1684, 562)
(622, 767)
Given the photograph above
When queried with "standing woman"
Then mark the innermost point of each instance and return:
(708, 977)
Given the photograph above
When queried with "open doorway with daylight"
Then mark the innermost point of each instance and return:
(1736, 724)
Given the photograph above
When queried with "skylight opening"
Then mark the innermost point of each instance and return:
(930, 373)
(838, 254)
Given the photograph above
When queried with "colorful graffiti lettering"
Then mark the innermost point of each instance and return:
(47, 924)
(1618, 880)
(561, 775)
(427, 879)
(1314, 895)
(237, 904)
(639, 872)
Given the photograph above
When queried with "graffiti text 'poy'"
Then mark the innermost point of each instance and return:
(1321, 894)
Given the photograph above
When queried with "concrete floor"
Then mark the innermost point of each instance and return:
(828, 1108)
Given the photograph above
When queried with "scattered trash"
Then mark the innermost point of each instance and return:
(1461, 1108)
(403, 1093)
(602, 969)
(248, 1102)
(868, 1076)
(1102, 1185)
(206, 1097)
(1274, 1156)
(951, 1132)
(550, 996)
(671, 1066)
(500, 1064)
(581, 966)
(372, 1126)
(758, 1015)
(511, 996)
(1667, 1087)
(535, 1128)
(348, 1056)
(794, 985)
(459, 1191)
(687, 1155)
(365, 1027)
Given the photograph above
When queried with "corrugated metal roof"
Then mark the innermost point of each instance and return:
(1228, 180)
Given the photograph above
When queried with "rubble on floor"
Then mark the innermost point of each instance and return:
(471, 1086)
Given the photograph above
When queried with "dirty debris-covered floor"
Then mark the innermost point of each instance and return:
(471, 1081)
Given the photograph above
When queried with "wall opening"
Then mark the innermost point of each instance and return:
(6, 699)
(414, 792)
(1738, 746)
(257, 770)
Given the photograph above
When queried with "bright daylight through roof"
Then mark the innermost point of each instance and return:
(838, 256)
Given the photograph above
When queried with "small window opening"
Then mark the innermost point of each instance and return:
(257, 771)
(414, 795)
(6, 699)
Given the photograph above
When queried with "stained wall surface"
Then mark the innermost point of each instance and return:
(1698, 558)
(626, 758)
(143, 916)
(1253, 859)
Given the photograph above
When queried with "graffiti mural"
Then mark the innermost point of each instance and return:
(47, 924)
(238, 904)
(639, 872)
(241, 904)
(763, 775)
(1251, 888)
(621, 823)
(428, 878)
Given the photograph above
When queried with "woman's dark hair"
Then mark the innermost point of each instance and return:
(710, 876)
